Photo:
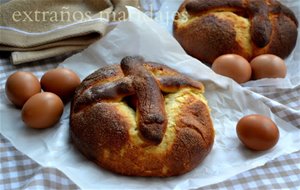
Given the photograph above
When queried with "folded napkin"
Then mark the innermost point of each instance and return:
(37, 29)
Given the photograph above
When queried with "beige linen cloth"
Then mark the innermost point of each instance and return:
(37, 29)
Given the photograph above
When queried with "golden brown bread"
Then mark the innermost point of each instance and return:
(208, 29)
(141, 119)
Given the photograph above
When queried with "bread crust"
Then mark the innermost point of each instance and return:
(209, 29)
(107, 129)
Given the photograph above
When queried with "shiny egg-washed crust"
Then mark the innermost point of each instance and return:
(141, 118)
(208, 29)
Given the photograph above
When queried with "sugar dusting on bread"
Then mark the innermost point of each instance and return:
(107, 130)
(209, 29)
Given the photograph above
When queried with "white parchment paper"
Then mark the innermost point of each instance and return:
(228, 102)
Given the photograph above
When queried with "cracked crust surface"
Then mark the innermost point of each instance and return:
(108, 127)
(208, 29)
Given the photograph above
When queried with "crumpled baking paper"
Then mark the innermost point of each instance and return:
(228, 102)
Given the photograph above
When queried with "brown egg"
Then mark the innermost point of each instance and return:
(257, 132)
(20, 86)
(268, 66)
(42, 110)
(60, 81)
(233, 66)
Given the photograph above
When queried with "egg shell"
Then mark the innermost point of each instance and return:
(257, 132)
(42, 110)
(268, 66)
(60, 81)
(233, 66)
(20, 86)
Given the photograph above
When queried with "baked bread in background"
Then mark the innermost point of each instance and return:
(209, 29)
(141, 118)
